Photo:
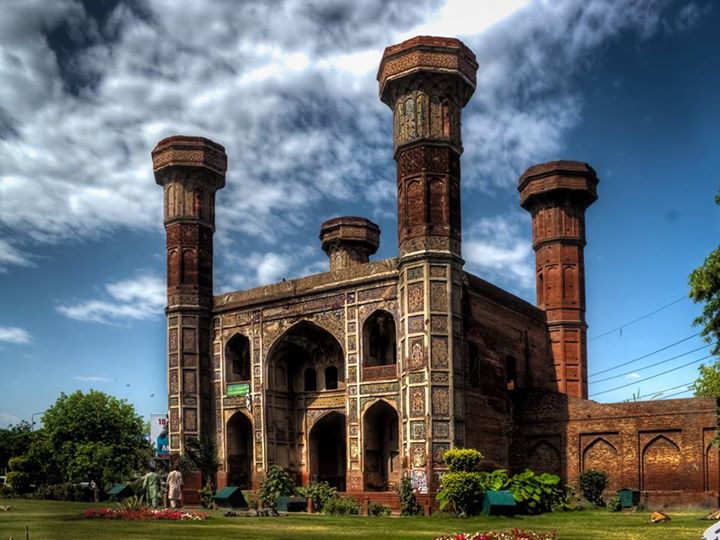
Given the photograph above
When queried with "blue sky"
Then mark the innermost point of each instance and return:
(86, 90)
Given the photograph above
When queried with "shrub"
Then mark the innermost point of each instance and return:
(133, 503)
(206, 496)
(341, 506)
(251, 498)
(320, 493)
(277, 483)
(615, 504)
(19, 482)
(66, 491)
(495, 480)
(377, 509)
(535, 493)
(592, 485)
(462, 459)
(408, 502)
(461, 491)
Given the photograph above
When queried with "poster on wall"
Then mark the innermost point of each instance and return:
(159, 435)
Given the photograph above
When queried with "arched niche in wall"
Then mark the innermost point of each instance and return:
(662, 465)
(239, 440)
(379, 342)
(381, 459)
(237, 359)
(601, 455)
(544, 457)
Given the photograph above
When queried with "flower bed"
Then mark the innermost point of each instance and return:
(514, 534)
(144, 514)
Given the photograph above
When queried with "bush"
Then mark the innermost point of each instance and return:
(206, 496)
(19, 482)
(592, 485)
(461, 491)
(535, 493)
(377, 509)
(408, 502)
(251, 499)
(341, 506)
(320, 493)
(615, 504)
(462, 459)
(277, 483)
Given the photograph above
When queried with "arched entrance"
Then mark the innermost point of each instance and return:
(380, 439)
(239, 451)
(327, 451)
(304, 364)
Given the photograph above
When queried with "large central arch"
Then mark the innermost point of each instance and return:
(305, 362)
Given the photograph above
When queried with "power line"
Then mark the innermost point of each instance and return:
(652, 365)
(643, 356)
(677, 393)
(687, 384)
(652, 376)
(658, 310)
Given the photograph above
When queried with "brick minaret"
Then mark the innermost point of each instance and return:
(191, 170)
(426, 81)
(557, 194)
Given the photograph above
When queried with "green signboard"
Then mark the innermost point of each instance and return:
(242, 389)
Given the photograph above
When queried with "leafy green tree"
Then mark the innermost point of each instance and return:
(92, 437)
(14, 441)
(705, 287)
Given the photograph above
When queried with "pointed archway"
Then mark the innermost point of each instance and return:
(327, 450)
(239, 451)
(381, 442)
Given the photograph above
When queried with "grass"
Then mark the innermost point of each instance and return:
(52, 520)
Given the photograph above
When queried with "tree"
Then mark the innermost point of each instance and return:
(92, 437)
(14, 441)
(705, 287)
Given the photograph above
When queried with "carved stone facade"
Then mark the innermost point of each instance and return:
(372, 370)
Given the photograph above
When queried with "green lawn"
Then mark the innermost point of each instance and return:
(50, 520)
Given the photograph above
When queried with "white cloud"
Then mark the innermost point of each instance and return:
(90, 378)
(288, 87)
(13, 334)
(12, 256)
(633, 376)
(498, 249)
(139, 298)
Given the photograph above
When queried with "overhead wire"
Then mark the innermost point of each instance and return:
(676, 394)
(652, 365)
(643, 356)
(651, 313)
(651, 376)
(659, 392)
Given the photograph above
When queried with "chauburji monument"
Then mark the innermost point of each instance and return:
(373, 369)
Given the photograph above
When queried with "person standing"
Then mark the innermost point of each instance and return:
(151, 488)
(174, 485)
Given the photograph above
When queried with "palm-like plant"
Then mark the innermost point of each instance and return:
(204, 455)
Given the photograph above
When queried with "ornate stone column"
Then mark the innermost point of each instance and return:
(557, 194)
(190, 170)
(426, 81)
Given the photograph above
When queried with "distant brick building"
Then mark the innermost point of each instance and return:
(375, 368)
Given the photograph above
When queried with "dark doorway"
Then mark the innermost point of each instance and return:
(380, 438)
(239, 451)
(327, 451)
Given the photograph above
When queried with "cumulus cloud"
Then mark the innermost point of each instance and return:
(288, 87)
(15, 335)
(633, 376)
(139, 298)
(498, 249)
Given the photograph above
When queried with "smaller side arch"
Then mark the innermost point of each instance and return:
(239, 450)
(662, 465)
(545, 458)
(602, 455)
(237, 358)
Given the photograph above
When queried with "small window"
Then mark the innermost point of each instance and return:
(331, 378)
(310, 381)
